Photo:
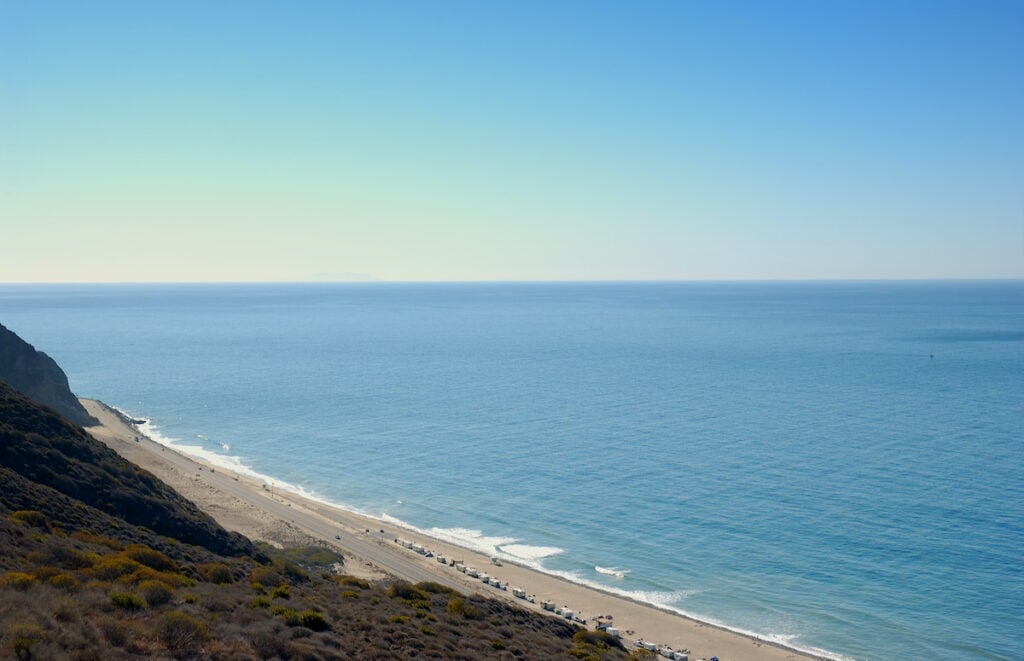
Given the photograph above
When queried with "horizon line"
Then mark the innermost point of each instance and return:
(538, 281)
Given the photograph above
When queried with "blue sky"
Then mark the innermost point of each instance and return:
(224, 141)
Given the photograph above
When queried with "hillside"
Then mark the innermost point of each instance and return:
(100, 560)
(40, 449)
(38, 376)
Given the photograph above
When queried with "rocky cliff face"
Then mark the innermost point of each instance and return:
(38, 377)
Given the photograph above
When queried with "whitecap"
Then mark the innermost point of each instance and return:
(664, 598)
(473, 539)
(528, 553)
(395, 521)
(232, 463)
(611, 571)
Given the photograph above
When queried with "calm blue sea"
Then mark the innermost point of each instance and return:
(838, 466)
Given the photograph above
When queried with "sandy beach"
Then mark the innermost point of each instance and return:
(277, 516)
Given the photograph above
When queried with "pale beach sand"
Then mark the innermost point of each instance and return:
(279, 517)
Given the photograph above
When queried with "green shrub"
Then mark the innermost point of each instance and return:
(113, 567)
(45, 573)
(151, 558)
(434, 588)
(456, 606)
(291, 570)
(352, 581)
(398, 619)
(29, 518)
(403, 590)
(260, 602)
(281, 592)
(191, 599)
(216, 572)
(497, 644)
(599, 639)
(313, 620)
(65, 582)
(427, 631)
(59, 555)
(127, 601)
(288, 616)
(310, 619)
(265, 576)
(18, 580)
(98, 540)
(156, 593)
(349, 594)
(172, 579)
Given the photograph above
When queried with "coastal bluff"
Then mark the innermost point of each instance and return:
(100, 559)
(38, 377)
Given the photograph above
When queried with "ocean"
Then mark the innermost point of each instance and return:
(838, 466)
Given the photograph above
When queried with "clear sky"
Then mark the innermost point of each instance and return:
(554, 140)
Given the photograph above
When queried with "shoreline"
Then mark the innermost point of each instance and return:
(240, 500)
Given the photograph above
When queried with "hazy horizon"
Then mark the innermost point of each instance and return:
(724, 281)
(536, 142)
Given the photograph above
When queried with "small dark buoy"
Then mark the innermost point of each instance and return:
(931, 355)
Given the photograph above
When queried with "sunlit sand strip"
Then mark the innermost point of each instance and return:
(243, 501)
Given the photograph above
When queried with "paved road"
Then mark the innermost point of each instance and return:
(390, 560)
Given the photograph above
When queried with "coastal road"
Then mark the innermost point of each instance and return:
(386, 559)
(243, 503)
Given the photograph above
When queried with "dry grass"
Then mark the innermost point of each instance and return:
(81, 578)
(120, 608)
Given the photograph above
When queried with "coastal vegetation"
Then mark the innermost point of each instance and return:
(99, 559)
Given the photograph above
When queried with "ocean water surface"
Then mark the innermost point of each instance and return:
(836, 466)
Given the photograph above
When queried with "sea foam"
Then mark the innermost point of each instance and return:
(527, 553)
(494, 546)
(232, 463)
(504, 547)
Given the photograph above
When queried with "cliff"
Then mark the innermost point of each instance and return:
(38, 376)
(39, 447)
(99, 559)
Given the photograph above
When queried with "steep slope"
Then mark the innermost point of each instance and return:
(99, 560)
(43, 448)
(40, 378)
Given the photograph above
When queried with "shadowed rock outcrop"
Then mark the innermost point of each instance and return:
(38, 377)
